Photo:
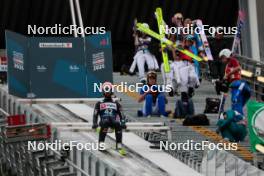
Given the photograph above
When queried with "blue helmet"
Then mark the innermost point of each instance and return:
(189, 37)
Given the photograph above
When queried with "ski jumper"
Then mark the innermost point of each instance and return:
(110, 117)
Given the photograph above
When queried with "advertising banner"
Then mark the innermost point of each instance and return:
(57, 68)
(61, 67)
(18, 64)
(99, 61)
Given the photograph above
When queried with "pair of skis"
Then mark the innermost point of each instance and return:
(164, 41)
(205, 42)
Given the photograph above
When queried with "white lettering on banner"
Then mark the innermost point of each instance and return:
(58, 29)
(18, 59)
(55, 45)
(98, 61)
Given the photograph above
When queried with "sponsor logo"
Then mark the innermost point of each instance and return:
(18, 59)
(98, 61)
(55, 45)
(108, 106)
(257, 122)
(104, 42)
(41, 68)
(74, 68)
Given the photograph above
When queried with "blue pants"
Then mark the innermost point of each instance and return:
(158, 105)
(239, 97)
(197, 68)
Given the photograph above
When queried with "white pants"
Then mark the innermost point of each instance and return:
(173, 77)
(140, 59)
(167, 77)
(182, 73)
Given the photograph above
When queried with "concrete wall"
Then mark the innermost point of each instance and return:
(260, 16)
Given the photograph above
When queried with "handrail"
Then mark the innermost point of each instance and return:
(70, 162)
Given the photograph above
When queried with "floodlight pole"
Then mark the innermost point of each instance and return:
(73, 17)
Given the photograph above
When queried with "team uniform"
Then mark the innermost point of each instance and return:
(233, 63)
(143, 56)
(240, 94)
(110, 112)
(153, 97)
(240, 90)
(183, 73)
(233, 126)
(110, 117)
(154, 103)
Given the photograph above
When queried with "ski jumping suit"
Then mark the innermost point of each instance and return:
(154, 100)
(240, 94)
(143, 56)
(233, 127)
(110, 116)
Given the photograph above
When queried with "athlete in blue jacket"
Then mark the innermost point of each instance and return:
(154, 99)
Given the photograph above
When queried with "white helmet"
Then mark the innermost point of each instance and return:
(145, 25)
(225, 52)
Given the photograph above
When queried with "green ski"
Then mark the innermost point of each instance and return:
(167, 41)
(161, 27)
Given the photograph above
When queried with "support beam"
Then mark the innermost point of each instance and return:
(61, 100)
(79, 15)
(85, 124)
(73, 16)
(253, 26)
(132, 128)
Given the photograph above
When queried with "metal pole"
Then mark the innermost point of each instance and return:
(73, 17)
(79, 14)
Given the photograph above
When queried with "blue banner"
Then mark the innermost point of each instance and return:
(18, 64)
(49, 67)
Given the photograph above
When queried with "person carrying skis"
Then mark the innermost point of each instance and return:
(153, 97)
(143, 55)
(111, 116)
(186, 81)
(194, 44)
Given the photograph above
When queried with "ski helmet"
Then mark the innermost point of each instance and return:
(189, 37)
(225, 52)
(107, 89)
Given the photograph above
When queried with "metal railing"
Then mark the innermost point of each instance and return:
(16, 158)
(257, 70)
(220, 162)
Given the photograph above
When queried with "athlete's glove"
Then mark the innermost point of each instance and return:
(123, 123)
(94, 126)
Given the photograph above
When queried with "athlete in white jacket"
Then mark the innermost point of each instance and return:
(143, 55)
(182, 74)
